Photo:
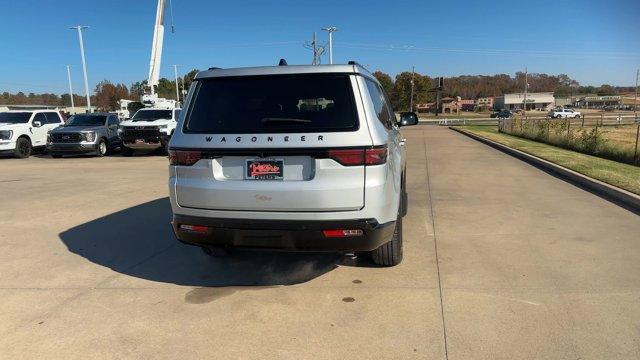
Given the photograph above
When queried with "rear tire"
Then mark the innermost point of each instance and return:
(23, 148)
(126, 151)
(390, 254)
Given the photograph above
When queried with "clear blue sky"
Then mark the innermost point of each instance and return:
(592, 41)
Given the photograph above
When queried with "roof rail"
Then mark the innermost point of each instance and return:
(355, 63)
(214, 68)
(283, 62)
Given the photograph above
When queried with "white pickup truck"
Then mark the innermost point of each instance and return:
(21, 131)
(149, 128)
(564, 114)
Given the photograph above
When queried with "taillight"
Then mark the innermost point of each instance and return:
(342, 233)
(348, 157)
(184, 157)
(365, 156)
(376, 156)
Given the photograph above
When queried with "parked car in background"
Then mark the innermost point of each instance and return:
(23, 131)
(502, 114)
(564, 113)
(149, 128)
(290, 157)
(85, 133)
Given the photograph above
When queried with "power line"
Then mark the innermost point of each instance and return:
(508, 52)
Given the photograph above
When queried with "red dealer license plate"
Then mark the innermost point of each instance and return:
(264, 169)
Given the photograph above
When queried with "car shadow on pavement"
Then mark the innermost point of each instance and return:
(139, 242)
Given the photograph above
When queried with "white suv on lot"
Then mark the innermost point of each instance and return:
(149, 128)
(22, 131)
(289, 157)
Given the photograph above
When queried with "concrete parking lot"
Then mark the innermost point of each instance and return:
(502, 261)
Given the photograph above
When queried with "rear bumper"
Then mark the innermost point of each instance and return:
(305, 235)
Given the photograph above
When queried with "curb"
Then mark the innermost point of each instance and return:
(614, 194)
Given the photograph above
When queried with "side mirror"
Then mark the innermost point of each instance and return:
(113, 127)
(37, 124)
(408, 119)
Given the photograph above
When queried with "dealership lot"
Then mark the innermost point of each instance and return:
(527, 266)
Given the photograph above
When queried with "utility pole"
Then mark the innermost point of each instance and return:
(330, 30)
(317, 50)
(413, 73)
(175, 71)
(526, 88)
(635, 100)
(70, 87)
(84, 64)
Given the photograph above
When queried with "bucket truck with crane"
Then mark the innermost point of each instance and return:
(151, 127)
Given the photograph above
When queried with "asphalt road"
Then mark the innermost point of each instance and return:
(502, 261)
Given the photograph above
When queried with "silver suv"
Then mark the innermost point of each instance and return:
(289, 157)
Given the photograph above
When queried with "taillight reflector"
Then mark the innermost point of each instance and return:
(342, 233)
(194, 228)
(184, 157)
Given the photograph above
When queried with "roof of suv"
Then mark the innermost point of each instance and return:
(284, 70)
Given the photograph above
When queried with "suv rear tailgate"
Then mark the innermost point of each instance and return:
(308, 184)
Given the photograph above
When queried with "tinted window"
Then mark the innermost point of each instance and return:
(40, 117)
(150, 115)
(113, 120)
(15, 118)
(52, 118)
(86, 120)
(264, 104)
(379, 103)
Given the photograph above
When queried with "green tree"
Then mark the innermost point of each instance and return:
(401, 101)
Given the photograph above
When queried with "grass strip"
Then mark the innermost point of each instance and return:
(614, 173)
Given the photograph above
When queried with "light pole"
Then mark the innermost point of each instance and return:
(84, 64)
(526, 89)
(413, 72)
(70, 88)
(330, 30)
(175, 71)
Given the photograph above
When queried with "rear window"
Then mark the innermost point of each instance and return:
(272, 104)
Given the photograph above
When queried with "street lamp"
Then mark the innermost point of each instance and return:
(330, 30)
(84, 64)
(70, 88)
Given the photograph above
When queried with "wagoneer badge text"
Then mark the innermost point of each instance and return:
(285, 138)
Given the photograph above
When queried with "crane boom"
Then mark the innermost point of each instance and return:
(149, 97)
(156, 47)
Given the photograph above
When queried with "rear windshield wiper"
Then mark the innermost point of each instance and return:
(284, 121)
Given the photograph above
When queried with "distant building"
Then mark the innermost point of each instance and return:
(455, 105)
(485, 103)
(599, 101)
(66, 109)
(423, 108)
(564, 101)
(544, 100)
